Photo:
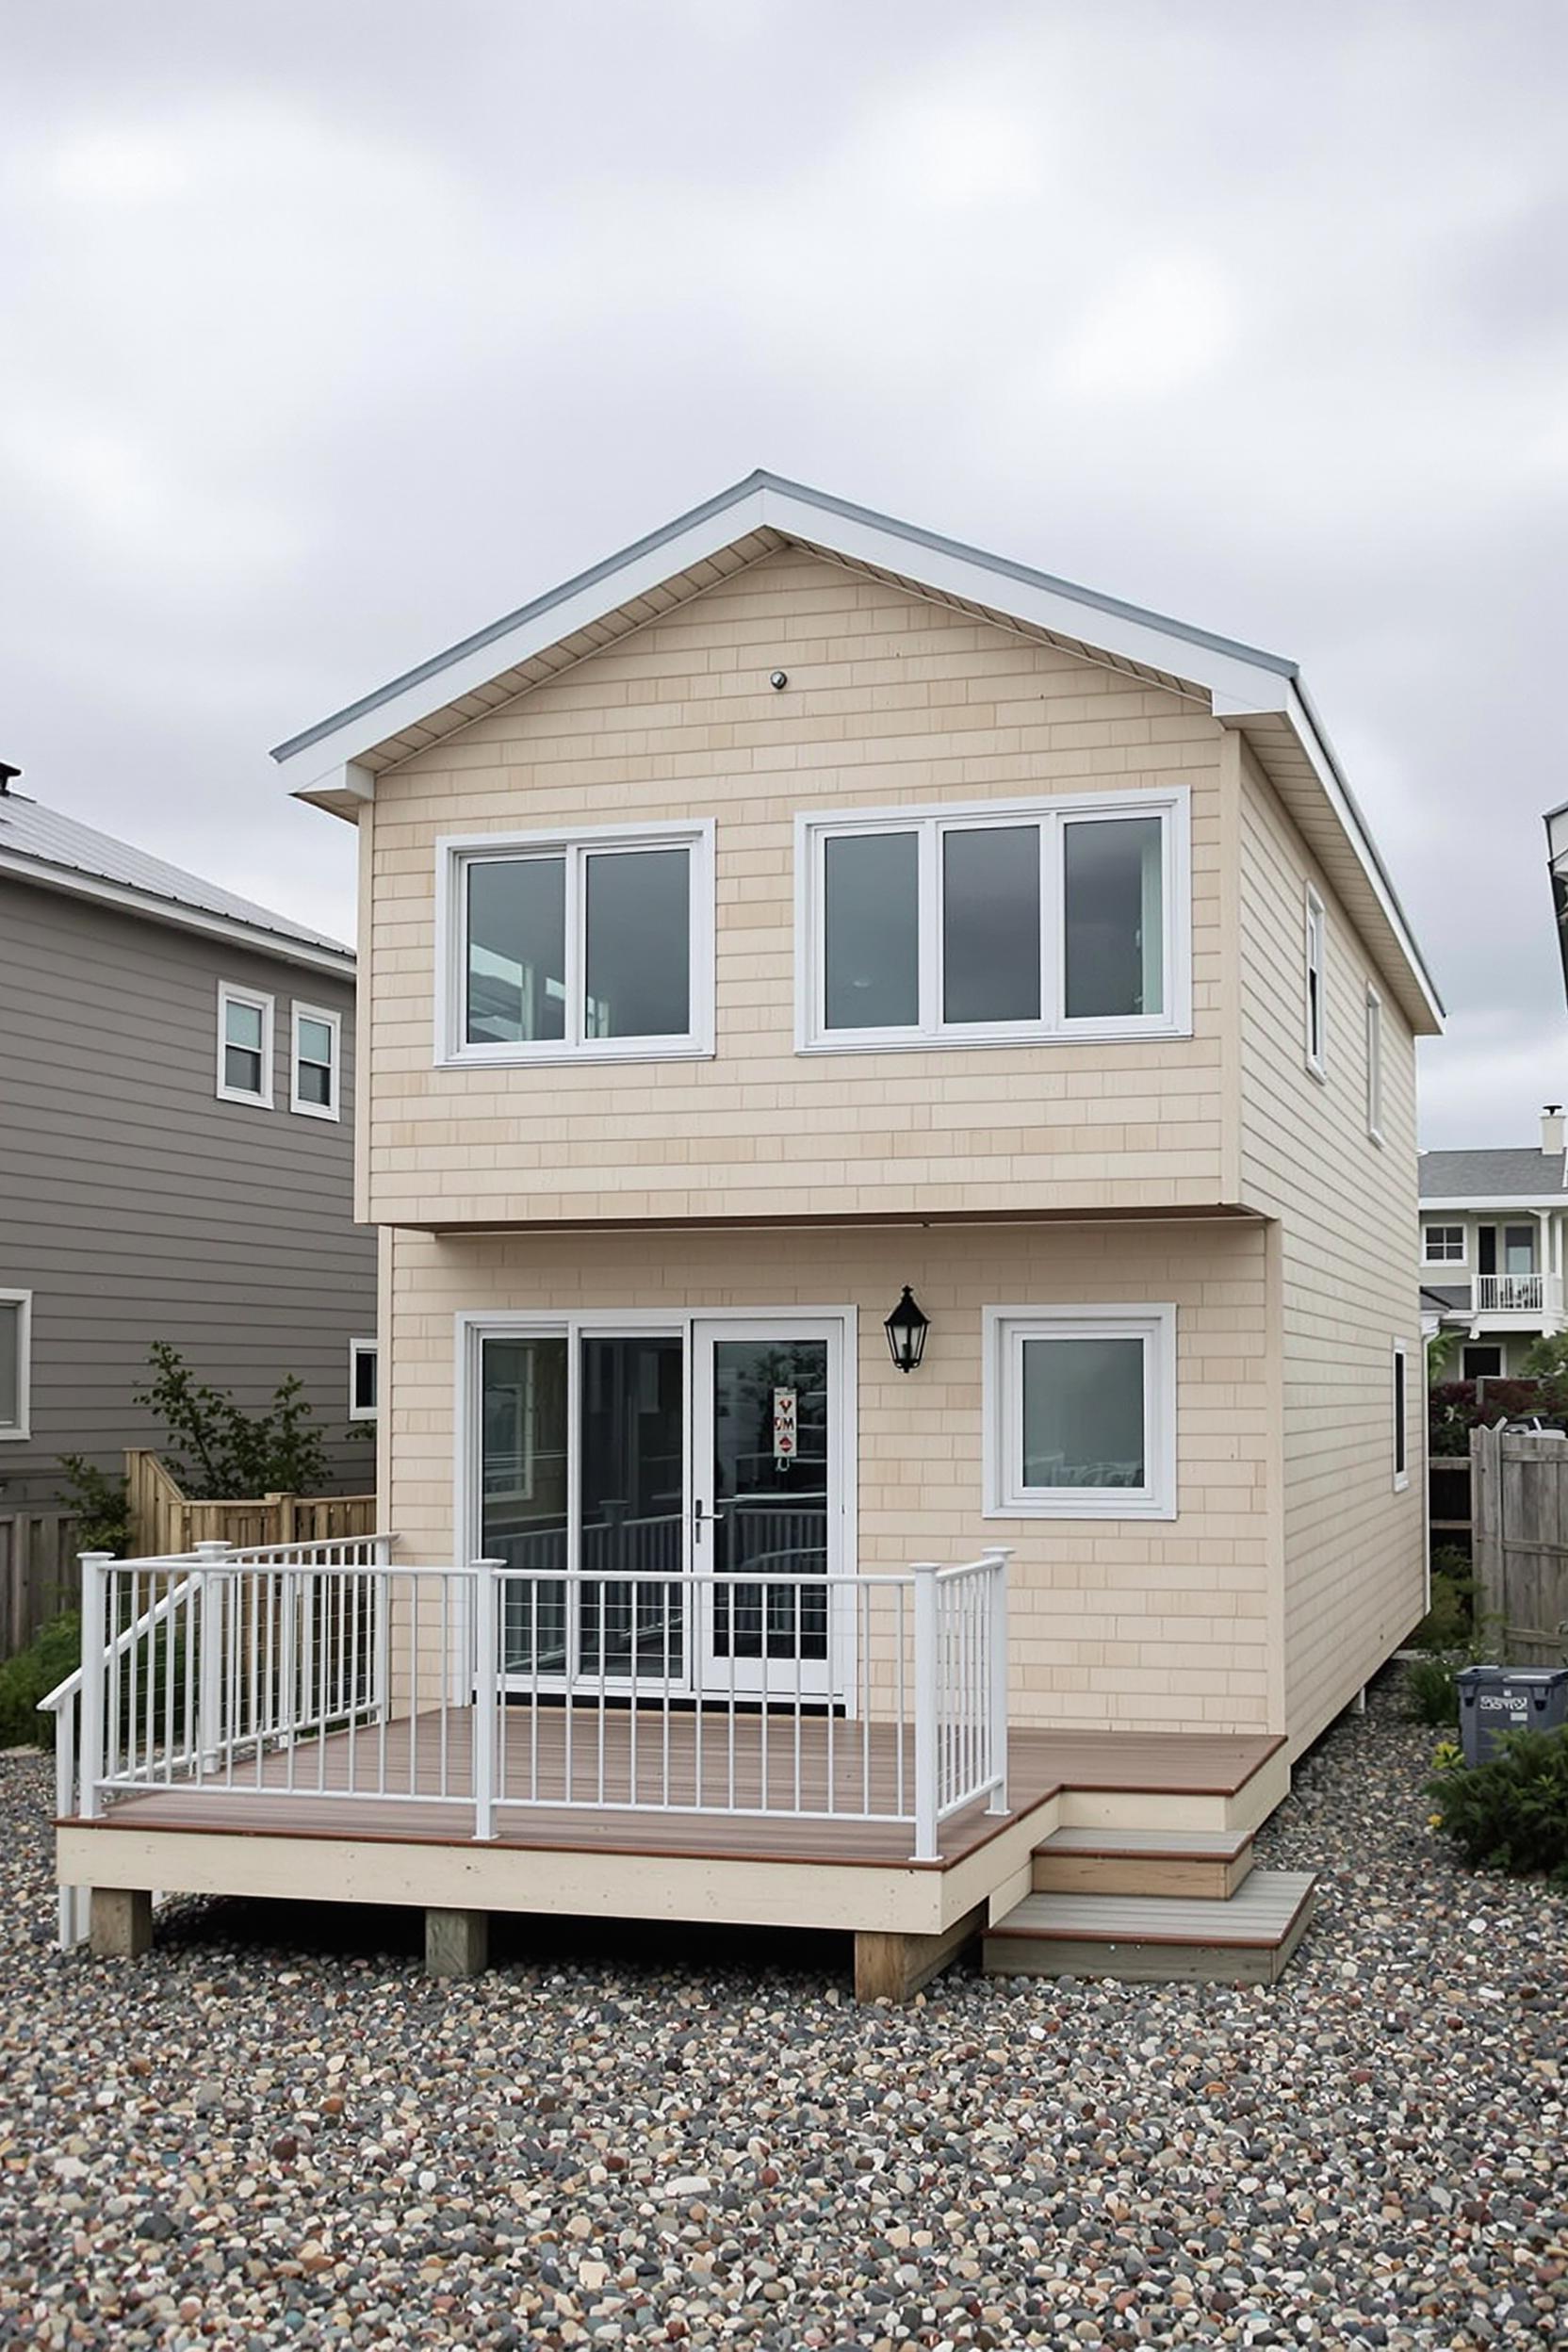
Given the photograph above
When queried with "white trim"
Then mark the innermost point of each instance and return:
(178, 916)
(230, 992)
(23, 1427)
(358, 1348)
(1544, 1202)
(930, 822)
(1445, 1225)
(456, 852)
(1315, 968)
(1374, 1064)
(1399, 1431)
(1004, 1328)
(334, 1022)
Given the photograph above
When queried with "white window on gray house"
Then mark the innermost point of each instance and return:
(16, 1309)
(1080, 1412)
(1442, 1244)
(1374, 1065)
(595, 948)
(975, 925)
(362, 1380)
(315, 1054)
(1401, 1414)
(244, 1045)
(1316, 982)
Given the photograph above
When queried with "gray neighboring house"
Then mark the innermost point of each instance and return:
(176, 1149)
(1494, 1247)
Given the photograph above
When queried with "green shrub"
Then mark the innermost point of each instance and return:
(1430, 1696)
(98, 1503)
(30, 1676)
(1511, 1812)
(1451, 1620)
(217, 1450)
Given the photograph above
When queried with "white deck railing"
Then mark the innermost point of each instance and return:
(1518, 1294)
(493, 1690)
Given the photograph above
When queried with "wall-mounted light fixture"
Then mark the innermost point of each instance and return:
(906, 1329)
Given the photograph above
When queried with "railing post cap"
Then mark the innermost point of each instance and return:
(94, 1555)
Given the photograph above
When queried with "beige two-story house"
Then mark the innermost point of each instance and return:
(890, 1118)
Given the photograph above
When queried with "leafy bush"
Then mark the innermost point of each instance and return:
(30, 1676)
(98, 1503)
(217, 1450)
(1450, 1619)
(1511, 1812)
(1454, 1407)
(1430, 1695)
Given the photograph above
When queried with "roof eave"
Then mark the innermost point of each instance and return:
(70, 883)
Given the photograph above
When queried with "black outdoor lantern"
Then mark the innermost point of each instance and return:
(906, 1329)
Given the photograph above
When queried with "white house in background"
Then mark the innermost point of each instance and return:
(1492, 1245)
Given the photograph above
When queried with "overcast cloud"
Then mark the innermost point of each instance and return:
(334, 330)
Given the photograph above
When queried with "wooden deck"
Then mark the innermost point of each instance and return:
(601, 1799)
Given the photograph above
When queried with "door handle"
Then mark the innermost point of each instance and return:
(701, 1518)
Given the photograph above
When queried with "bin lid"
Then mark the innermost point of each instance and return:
(1524, 1677)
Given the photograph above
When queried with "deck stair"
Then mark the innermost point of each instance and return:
(1153, 1906)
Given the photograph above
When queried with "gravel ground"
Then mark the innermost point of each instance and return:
(268, 2135)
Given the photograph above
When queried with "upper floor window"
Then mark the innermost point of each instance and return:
(1018, 921)
(1442, 1244)
(16, 1310)
(362, 1380)
(315, 1057)
(244, 1045)
(598, 947)
(1318, 1013)
(1374, 1065)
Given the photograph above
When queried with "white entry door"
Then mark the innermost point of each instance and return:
(767, 1516)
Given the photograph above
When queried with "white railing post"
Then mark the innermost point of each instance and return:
(997, 1634)
(209, 1657)
(487, 1690)
(94, 1664)
(927, 1699)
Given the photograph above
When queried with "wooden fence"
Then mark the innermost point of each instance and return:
(39, 1575)
(1519, 1498)
(163, 1519)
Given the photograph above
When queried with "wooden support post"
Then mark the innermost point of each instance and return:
(457, 1943)
(893, 1968)
(119, 1923)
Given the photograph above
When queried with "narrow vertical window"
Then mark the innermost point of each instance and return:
(1112, 918)
(1317, 1004)
(1374, 1066)
(244, 1045)
(317, 1051)
(363, 1385)
(1401, 1417)
(16, 1307)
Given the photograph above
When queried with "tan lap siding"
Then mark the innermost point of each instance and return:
(1354, 1576)
(890, 700)
(1152, 1626)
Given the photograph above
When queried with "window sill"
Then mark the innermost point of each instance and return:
(252, 1102)
(1314, 1069)
(316, 1110)
(1115, 1506)
(886, 1041)
(557, 1058)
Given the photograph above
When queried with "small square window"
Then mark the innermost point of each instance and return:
(363, 1371)
(1081, 1413)
(1442, 1244)
(244, 1045)
(16, 1311)
(316, 1050)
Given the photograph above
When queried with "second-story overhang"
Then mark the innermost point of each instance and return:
(335, 764)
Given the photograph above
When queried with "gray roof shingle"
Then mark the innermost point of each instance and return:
(42, 837)
(1511, 1175)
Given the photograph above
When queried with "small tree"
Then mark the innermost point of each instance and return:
(218, 1449)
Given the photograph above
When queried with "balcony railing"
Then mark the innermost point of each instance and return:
(497, 1691)
(1518, 1294)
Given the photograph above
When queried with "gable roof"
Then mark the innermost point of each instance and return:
(43, 845)
(1525, 1174)
(336, 761)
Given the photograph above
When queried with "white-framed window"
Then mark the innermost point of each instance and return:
(363, 1373)
(590, 946)
(1401, 1416)
(1316, 982)
(1080, 1412)
(995, 923)
(244, 1045)
(16, 1336)
(1374, 1065)
(315, 1055)
(1442, 1244)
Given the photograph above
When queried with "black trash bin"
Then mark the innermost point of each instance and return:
(1498, 1699)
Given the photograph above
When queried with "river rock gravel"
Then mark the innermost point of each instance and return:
(275, 2131)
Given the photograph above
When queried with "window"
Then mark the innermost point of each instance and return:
(595, 948)
(1081, 1413)
(16, 1312)
(244, 1046)
(1401, 1416)
(1318, 1014)
(970, 925)
(1481, 1363)
(318, 1043)
(1442, 1244)
(362, 1380)
(1374, 1065)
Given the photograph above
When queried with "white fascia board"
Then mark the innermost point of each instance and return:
(1494, 1200)
(178, 917)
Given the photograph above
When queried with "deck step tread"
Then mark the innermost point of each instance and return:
(1164, 1845)
(1259, 1916)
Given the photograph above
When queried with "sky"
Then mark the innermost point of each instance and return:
(336, 330)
